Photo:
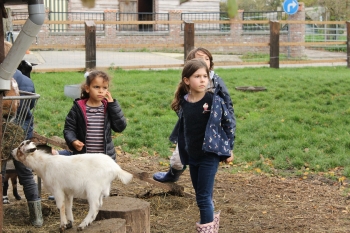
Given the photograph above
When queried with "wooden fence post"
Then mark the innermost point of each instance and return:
(2, 57)
(90, 45)
(348, 43)
(274, 44)
(188, 38)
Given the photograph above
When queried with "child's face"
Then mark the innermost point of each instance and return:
(198, 81)
(200, 54)
(98, 89)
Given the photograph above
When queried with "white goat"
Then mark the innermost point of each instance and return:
(86, 176)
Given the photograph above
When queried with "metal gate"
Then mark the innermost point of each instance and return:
(57, 6)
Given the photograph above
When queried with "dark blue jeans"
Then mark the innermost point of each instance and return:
(65, 152)
(25, 174)
(26, 179)
(203, 170)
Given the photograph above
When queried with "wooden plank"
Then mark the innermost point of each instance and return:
(274, 44)
(139, 45)
(314, 61)
(22, 22)
(55, 141)
(2, 57)
(109, 46)
(188, 38)
(233, 45)
(52, 70)
(241, 63)
(57, 46)
(312, 43)
(144, 176)
(90, 45)
(310, 22)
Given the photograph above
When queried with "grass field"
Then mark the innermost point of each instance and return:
(301, 123)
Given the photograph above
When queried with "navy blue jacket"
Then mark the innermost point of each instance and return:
(219, 132)
(216, 81)
(26, 84)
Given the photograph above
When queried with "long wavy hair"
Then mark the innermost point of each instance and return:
(192, 54)
(189, 69)
(92, 75)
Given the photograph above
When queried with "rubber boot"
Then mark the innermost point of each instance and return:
(216, 221)
(172, 175)
(35, 214)
(205, 228)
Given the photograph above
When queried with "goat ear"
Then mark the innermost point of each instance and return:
(33, 64)
(31, 150)
(44, 147)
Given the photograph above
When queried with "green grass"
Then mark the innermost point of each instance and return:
(301, 122)
(264, 57)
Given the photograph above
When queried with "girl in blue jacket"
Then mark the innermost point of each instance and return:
(176, 167)
(205, 134)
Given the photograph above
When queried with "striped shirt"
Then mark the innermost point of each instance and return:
(95, 129)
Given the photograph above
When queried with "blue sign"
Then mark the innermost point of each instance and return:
(290, 6)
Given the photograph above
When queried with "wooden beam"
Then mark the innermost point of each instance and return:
(329, 61)
(233, 45)
(144, 176)
(312, 43)
(3, 14)
(139, 45)
(90, 45)
(188, 38)
(22, 22)
(274, 44)
(55, 141)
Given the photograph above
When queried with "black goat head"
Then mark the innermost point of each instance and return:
(26, 67)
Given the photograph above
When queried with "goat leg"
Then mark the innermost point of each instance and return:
(93, 211)
(14, 187)
(5, 199)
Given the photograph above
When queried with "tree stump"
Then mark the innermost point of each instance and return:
(113, 225)
(135, 211)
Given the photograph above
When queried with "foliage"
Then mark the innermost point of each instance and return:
(232, 8)
(301, 121)
(259, 5)
(338, 9)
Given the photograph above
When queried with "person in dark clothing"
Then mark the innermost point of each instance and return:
(176, 167)
(25, 175)
(205, 130)
(89, 123)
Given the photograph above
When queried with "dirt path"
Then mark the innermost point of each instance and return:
(248, 203)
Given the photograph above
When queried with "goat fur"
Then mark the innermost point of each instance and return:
(26, 67)
(9, 107)
(86, 176)
(10, 175)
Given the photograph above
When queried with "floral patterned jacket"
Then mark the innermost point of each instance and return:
(219, 133)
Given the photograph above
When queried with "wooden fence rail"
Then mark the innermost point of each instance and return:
(90, 45)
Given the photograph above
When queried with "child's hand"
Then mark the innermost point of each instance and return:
(78, 145)
(230, 159)
(109, 97)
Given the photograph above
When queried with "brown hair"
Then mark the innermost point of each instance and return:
(192, 54)
(92, 75)
(189, 69)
